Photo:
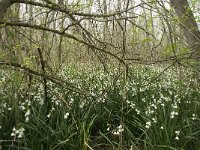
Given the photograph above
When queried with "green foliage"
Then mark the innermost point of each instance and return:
(163, 114)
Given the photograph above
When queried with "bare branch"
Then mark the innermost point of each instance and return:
(19, 24)
(59, 8)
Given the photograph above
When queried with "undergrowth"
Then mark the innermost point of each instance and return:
(147, 111)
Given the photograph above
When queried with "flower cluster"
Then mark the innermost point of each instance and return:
(194, 117)
(18, 133)
(177, 135)
(148, 125)
(173, 114)
(118, 130)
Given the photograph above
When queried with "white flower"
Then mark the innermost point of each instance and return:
(71, 101)
(20, 136)
(175, 106)
(93, 94)
(177, 132)
(82, 104)
(193, 117)
(162, 104)
(132, 105)
(138, 112)
(12, 134)
(177, 138)
(19, 133)
(57, 103)
(14, 129)
(161, 127)
(154, 120)
(115, 133)
(173, 113)
(66, 115)
(27, 119)
(22, 107)
(28, 113)
(49, 115)
(120, 128)
(151, 112)
(148, 125)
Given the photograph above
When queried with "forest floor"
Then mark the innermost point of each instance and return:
(92, 109)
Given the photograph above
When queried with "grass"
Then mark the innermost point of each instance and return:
(131, 114)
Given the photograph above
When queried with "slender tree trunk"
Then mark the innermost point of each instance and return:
(148, 16)
(61, 2)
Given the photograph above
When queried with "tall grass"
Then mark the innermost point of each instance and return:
(142, 113)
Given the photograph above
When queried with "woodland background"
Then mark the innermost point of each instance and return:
(99, 74)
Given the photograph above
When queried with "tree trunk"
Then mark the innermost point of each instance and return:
(189, 26)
